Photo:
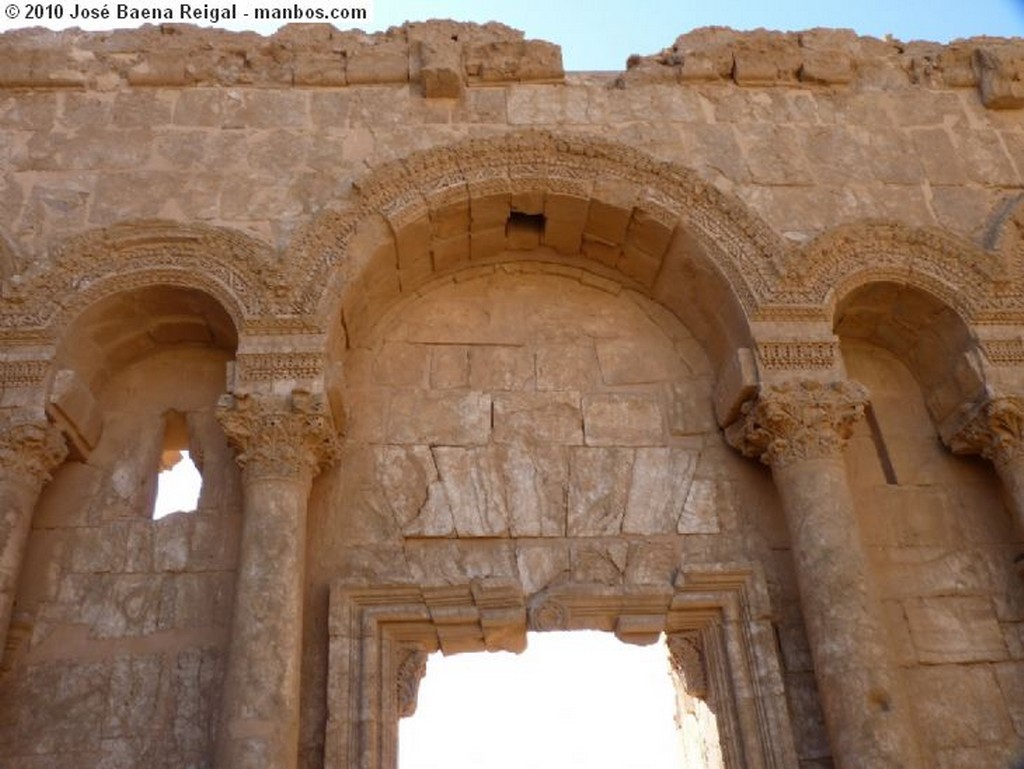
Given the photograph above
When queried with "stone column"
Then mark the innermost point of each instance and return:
(282, 444)
(995, 429)
(29, 452)
(800, 430)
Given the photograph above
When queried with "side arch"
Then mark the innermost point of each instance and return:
(227, 265)
(837, 263)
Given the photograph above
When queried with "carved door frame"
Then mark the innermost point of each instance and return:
(716, 617)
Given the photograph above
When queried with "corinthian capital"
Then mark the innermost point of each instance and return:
(30, 450)
(798, 420)
(275, 437)
(993, 428)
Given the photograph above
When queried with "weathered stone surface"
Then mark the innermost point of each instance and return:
(512, 353)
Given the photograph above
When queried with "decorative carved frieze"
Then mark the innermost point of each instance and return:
(1004, 352)
(285, 366)
(31, 450)
(994, 429)
(798, 420)
(279, 437)
(23, 373)
(686, 655)
(798, 355)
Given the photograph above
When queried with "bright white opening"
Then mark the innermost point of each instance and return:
(579, 700)
(177, 488)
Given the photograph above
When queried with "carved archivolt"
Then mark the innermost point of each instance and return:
(235, 269)
(745, 249)
(963, 276)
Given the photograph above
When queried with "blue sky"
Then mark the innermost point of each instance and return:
(602, 34)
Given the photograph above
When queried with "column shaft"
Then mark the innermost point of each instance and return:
(28, 452)
(281, 443)
(800, 430)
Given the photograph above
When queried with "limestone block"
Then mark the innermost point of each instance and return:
(826, 67)
(383, 62)
(599, 484)
(75, 410)
(644, 360)
(541, 565)
(1001, 78)
(500, 367)
(951, 629)
(959, 706)
(607, 222)
(652, 563)
(449, 253)
(600, 563)
(41, 68)
(319, 68)
(622, 419)
(439, 418)
(398, 364)
(566, 367)
(449, 366)
(638, 265)
(552, 417)
(441, 71)
(658, 490)
(514, 60)
(706, 500)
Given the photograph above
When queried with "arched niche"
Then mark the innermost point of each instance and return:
(926, 333)
(122, 329)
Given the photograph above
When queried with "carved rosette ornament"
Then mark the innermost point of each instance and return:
(995, 430)
(798, 420)
(291, 437)
(30, 451)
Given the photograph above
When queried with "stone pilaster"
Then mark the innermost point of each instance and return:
(995, 429)
(282, 443)
(800, 429)
(29, 452)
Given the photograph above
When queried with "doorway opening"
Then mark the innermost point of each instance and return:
(571, 700)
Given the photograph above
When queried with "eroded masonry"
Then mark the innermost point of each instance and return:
(728, 346)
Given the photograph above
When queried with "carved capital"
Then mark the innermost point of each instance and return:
(993, 428)
(686, 655)
(290, 437)
(798, 420)
(31, 450)
(412, 666)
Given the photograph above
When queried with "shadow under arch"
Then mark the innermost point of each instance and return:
(925, 332)
(577, 201)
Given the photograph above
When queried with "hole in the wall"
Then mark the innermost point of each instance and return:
(179, 482)
(524, 231)
(577, 699)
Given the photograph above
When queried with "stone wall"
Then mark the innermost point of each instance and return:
(480, 333)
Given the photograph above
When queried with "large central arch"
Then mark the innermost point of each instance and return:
(578, 201)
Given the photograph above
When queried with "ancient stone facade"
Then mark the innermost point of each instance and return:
(727, 346)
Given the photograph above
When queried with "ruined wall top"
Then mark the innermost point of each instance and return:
(446, 56)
